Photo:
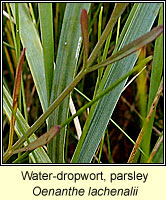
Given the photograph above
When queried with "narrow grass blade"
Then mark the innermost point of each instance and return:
(99, 31)
(141, 82)
(109, 148)
(12, 27)
(126, 135)
(155, 79)
(101, 148)
(8, 45)
(17, 30)
(100, 71)
(46, 27)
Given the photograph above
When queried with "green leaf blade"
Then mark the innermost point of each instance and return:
(156, 74)
(34, 52)
(64, 73)
(46, 26)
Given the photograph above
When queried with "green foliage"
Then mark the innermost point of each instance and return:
(56, 63)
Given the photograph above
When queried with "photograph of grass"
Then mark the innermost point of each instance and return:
(82, 83)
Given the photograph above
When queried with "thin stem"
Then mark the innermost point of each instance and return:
(12, 27)
(140, 65)
(117, 12)
(130, 48)
(44, 116)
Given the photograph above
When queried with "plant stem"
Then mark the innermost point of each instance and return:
(111, 87)
(44, 116)
(141, 134)
(117, 12)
